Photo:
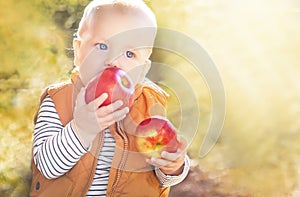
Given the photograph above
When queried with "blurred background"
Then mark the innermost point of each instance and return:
(256, 48)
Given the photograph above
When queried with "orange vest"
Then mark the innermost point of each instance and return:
(130, 175)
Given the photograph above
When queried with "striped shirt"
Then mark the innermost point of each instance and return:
(56, 149)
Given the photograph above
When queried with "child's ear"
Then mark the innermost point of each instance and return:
(76, 47)
(146, 68)
(149, 54)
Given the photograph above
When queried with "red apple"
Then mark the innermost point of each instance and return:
(155, 134)
(113, 81)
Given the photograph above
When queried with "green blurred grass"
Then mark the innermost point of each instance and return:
(254, 44)
(32, 54)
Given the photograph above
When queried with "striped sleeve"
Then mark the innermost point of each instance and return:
(56, 149)
(167, 180)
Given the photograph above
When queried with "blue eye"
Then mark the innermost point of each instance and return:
(102, 46)
(129, 54)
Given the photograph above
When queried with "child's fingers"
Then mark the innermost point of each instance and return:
(109, 109)
(107, 120)
(110, 122)
(165, 165)
(180, 151)
(158, 162)
(97, 102)
(115, 115)
(172, 156)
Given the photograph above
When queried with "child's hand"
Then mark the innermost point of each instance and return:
(170, 163)
(89, 119)
(108, 115)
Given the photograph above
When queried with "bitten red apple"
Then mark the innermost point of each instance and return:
(113, 81)
(155, 134)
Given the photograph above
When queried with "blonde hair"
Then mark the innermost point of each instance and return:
(96, 4)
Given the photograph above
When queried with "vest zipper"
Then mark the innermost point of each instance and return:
(122, 163)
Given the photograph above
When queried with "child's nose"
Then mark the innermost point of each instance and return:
(113, 58)
(115, 62)
(110, 63)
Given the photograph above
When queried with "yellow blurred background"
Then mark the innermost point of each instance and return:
(255, 45)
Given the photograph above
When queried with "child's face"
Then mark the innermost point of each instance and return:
(109, 39)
